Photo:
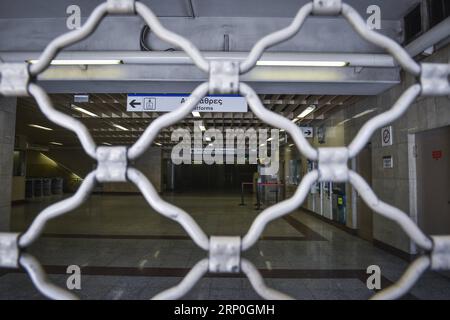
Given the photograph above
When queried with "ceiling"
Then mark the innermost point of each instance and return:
(26, 28)
(390, 10)
(44, 18)
(111, 109)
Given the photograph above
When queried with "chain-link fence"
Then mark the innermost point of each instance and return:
(224, 253)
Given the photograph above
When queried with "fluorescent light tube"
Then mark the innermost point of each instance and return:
(196, 114)
(120, 127)
(56, 143)
(84, 111)
(306, 112)
(300, 63)
(64, 62)
(359, 115)
(40, 127)
(107, 144)
(343, 121)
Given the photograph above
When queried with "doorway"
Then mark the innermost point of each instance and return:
(364, 213)
(220, 177)
(433, 180)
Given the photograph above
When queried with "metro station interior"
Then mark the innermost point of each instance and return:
(126, 238)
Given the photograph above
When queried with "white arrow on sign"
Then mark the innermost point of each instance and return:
(170, 102)
(308, 132)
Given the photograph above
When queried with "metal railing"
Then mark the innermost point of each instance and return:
(224, 253)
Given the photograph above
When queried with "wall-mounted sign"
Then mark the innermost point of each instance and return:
(386, 136)
(170, 102)
(436, 154)
(308, 132)
(388, 162)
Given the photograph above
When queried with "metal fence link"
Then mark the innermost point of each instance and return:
(40, 280)
(146, 139)
(113, 162)
(257, 282)
(167, 209)
(379, 121)
(189, 281)
(44, 103)
(406, 282)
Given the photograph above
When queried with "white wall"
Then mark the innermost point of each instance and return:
(393, 185)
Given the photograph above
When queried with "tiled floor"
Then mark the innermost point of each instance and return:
(128, 251)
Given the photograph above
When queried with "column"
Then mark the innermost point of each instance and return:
(7, 133)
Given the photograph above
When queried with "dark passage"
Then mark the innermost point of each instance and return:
(196, 177)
